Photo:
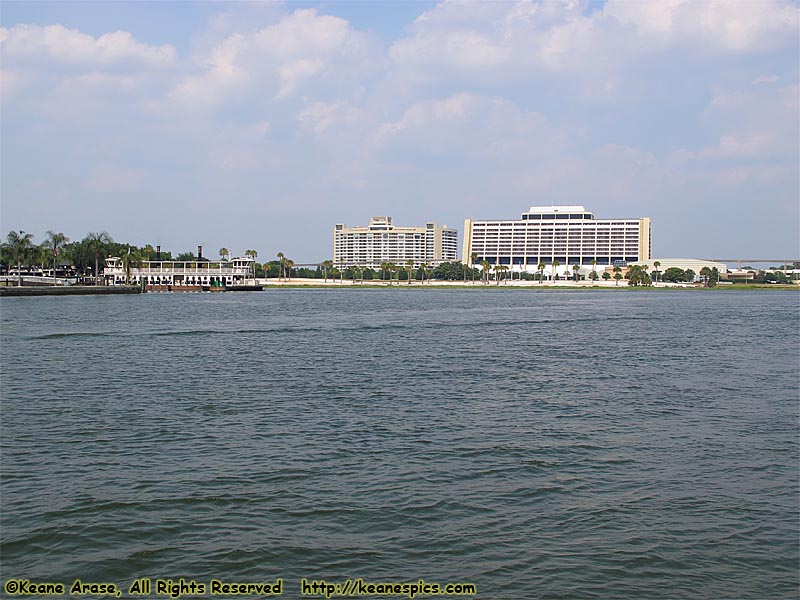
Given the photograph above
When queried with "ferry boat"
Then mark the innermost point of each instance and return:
(184, 276)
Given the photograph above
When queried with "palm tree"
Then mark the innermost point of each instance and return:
(409, 268)
(252, 254)
(54, 242)
(474, 258)
(555, 264)
(289, 265)
(384, 269)
(224, 253)
(594, 269)
(357, 271)
(334, 273)
(423, 268)
(575, 269)
(540, 267)
(19, 245)
(130, 260)
(326, 264)
(281, 256)
(97, 243)
(657, 264)
(617, 273)
(500, 269)
(485, 267)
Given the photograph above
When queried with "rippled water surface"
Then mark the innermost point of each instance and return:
(541, 444)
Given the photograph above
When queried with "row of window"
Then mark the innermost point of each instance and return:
(559, 216)
(532, 262)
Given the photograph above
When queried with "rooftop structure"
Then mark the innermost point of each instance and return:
(382, 241)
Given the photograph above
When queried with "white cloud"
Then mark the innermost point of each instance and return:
(481, 36)
(56, 43)
(738, 26)
(279, 60)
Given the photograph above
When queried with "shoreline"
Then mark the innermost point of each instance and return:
(299, 283)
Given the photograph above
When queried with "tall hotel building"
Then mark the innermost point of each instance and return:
(382, 242)
(567, 234)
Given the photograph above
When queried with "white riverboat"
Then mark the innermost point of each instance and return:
(177, 276)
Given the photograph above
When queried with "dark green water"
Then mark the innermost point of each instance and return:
(558, 444)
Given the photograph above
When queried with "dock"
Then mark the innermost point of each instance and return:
(69, 290)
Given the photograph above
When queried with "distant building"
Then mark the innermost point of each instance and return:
(382, 241)
(568, 234)
(695, 264)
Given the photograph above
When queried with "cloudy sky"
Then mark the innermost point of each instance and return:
(261, 125)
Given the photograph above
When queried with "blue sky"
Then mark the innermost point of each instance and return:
(261, 125)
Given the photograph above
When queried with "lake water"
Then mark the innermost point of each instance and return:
(539, 444)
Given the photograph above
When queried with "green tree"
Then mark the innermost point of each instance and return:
(540, 267)
(657, 264)
(594, 269)
(474, 257)
(690, 275)
(281, 257)
(606, 275)
(575, 269)
(674, 274)
(252, 254)
(97, 243)
(617, 273)
(224, 253)
(424, 267)
(409, 269)
(709, 276)
(288, 264)
(498, 271)
(485, 267)
(54, 243)
(593, 276)
(19, 245)
(130, 260)
(638, 276)
(555, 264)
(326, 265)
(38, 257)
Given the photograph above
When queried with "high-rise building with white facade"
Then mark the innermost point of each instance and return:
(382, 241)
(568, 234)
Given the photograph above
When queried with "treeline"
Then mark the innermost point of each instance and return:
(82, 258)
(284, 268)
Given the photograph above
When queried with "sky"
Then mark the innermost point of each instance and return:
(261, 125)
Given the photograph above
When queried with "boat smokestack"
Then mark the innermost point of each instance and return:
(158, 252)
(199, 252)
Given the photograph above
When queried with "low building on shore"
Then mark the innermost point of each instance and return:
(180, 275)
(695, 264)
